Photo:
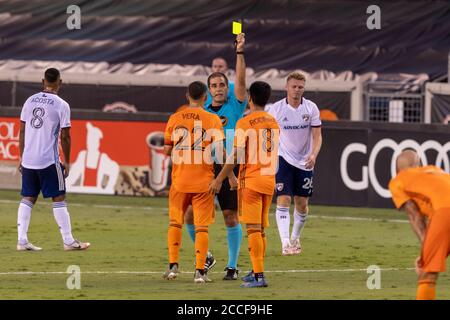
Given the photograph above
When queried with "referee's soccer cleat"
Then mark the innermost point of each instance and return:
(232, 274)
(287, 251)
(261, 283)
(76, 245)
(27, 247)
(249, 277)
(171, 273)
(210, 261)
(201, 278)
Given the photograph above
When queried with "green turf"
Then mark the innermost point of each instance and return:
(132, 238)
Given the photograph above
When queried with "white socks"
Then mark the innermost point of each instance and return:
(63, 220)
(283, 223)
(23, 220)
(299, 223)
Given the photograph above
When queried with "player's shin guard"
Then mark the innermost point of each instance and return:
(174, 242)
(191, 230)
(234, 237)
(201, 246)
(299, 224)
(23, 220)
(426, 290)
(62, 218)
(256, 249)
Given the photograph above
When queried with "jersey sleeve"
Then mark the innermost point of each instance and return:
(399, 197)
(315, 117)
(238, 106)
(64, 121)
(168, 133)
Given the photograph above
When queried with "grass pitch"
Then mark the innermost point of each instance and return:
(129, 254)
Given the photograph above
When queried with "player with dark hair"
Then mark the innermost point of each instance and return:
(44, 117)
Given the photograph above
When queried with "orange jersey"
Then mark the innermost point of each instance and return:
(428, 186)
(258, 134)
(191, 133)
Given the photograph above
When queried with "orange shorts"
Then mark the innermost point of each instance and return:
(254, 207)
(202, 204)
(436, 246)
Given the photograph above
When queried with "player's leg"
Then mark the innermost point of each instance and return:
(30, 191)
(204, 214)
(435, 250)
(426, 289)
(229, 204)
(302, 191)
(53, 186)
(284, 185)
(178, 203)
(189, 222)
(210, 261)
(251, 212)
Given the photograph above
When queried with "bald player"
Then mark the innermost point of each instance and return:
(423, 192)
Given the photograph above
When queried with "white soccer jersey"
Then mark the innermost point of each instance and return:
(295, 129)
(44, 115)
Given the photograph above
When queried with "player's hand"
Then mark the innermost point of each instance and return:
(240, 41)
(310, 162)
(215, 186)
(233, 182)
(19, 168)
(419, 266)
(66, 168)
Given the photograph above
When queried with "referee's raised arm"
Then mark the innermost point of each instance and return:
(239, 85)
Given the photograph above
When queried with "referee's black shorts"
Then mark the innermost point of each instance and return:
(227, 198)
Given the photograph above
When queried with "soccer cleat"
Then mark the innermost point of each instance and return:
(199, 278)
(210, 261)
(76, 245)
(255, 284)
(27, 247)
(296, 247)
(249, 277)
(287, 251)
(232, 274)
(171, 273)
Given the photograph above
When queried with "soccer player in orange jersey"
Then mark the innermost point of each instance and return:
(423, 192)
(256, 148)
(190, 138)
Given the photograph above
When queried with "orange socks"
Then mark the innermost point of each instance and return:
(174, 242)
(256, 249)
(426, 290)
(263, 235)
(201, 246)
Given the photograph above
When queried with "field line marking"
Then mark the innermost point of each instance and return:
(166, 209)
(189, 272)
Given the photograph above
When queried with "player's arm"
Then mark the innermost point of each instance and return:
(65, 145)
(168, 143)
(316, 145)
(168, 150)
(416, 219)
(21, 142)
(239, 85)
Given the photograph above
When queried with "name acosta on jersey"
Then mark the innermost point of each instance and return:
(43, 100)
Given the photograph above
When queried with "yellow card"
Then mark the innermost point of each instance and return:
(237, 27)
